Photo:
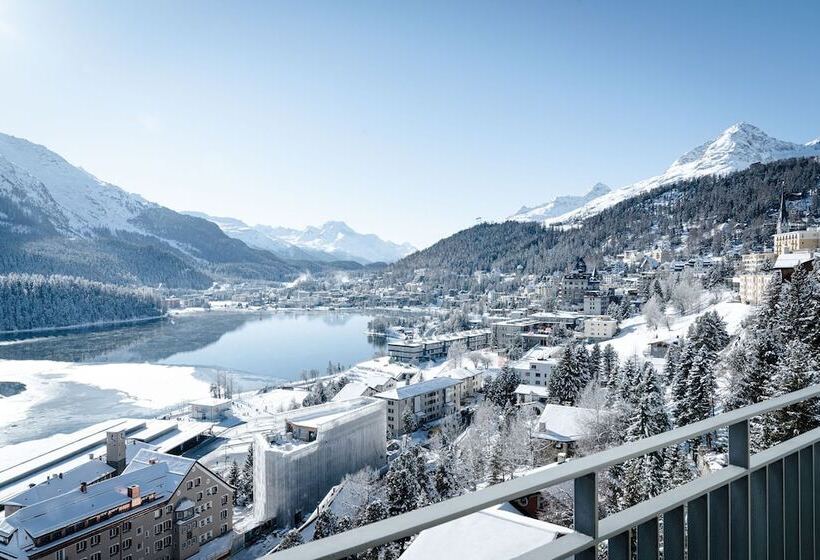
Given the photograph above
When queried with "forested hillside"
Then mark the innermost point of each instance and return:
(699, 217)
(36, 302)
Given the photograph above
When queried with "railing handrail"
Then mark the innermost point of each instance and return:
(411, 523)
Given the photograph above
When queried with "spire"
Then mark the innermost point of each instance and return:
(783, 216)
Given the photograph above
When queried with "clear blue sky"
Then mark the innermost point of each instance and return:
(406, 119)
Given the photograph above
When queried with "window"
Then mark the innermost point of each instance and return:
(95, 540)
(166, 526)
(223, 514)
(96, 556)
(157, 546)
(198, 481)
(158, 528)
(199, 496)
(225, 500)
(129, 557)
(113, 532)
(113, 550)
(139, 546)
(157, 513)
(81, 546)
(61, 554)
(213, 489)
(126, 544)
(166, 542)
(126, 527)
(190, 484)
(139, 530)
(169, 509)
(223, 529)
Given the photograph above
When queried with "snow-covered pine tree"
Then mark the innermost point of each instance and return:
(595, 358)
(567, 380)
(609, 364)
(326, 524)
(796, 370)
(701, 386)
(291, 539)
(233, 480)
(246, 478)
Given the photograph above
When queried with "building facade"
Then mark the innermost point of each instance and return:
(161, 507)
(427, 401)
(310, 451)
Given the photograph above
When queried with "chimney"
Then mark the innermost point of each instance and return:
(115, 451)
(83, 487)
(134, 495)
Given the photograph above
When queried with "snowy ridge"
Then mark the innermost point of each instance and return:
(332, 241)
(85, 202)
(735, 149)
(559, 206)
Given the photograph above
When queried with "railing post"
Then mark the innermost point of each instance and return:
(719, 523)
(807, 502)
(673, 534)
(760, 520)
(739, 492)
(586, 511)
(648, 540)
(791, 511)
(619, 547)
(697, 527)
(775, 510)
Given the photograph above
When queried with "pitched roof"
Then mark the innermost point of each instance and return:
(89, 472)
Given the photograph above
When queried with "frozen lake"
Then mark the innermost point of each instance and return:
(265, 347)
(71, 386)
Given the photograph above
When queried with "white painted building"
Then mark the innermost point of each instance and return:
(310, 451)
(601, 327)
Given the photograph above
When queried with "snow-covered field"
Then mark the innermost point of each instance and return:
(635, 335)
(149, 386)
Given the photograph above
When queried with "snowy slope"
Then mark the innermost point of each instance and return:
(85, 202)
(736, 148)
(328, 242)
(559, 206)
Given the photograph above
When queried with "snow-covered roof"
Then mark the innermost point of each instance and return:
(73, 507)
(417, 389)
(89, 472)
(524, 389)
(352, 390)
(493, 533)
(457, 373)
(147, 457)
(564, 423)
(210, 401)
(792, 260)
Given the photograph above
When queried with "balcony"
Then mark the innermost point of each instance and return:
(760, 506)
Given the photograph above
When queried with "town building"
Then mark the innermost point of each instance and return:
(537, 365)
(437, 347)
(794, 241)
(161, 507)
(600, 328)
(427, 401)
(310, 450)
(564, 425)
(537, 394)
(210, 408)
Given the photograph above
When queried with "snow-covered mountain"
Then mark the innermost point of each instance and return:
(559, 205)
(332, 241)
(736, 148)
(58, 218)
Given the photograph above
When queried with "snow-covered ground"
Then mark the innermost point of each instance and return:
(635, 336)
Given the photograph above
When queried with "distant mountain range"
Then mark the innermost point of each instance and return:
(332, 241)
(735, 149)
(56, 218)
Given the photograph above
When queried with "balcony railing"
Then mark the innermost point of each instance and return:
(761, 506)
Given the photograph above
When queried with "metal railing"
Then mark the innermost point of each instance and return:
(762, 506)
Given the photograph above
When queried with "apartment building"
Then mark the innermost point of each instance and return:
(161, 507)
(310, 450)
(600, 328)
(537, 365)
(794, 241)
(427, 401)
(437, 347)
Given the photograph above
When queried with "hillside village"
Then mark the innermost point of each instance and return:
(477, 386)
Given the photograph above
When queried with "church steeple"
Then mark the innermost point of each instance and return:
(783, 225)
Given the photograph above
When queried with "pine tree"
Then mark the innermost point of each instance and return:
(501, 389)
(595, 365)
(567, 379)
(405, 482)
(609, 364)
(326, 524)
(797, 370)
(246, 477)
(680, 385)
(701, 387)
(233, 480)
(497, 462)
(671, 366)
